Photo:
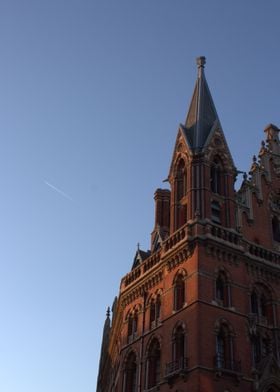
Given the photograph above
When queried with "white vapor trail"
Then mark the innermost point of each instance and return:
(58, 190)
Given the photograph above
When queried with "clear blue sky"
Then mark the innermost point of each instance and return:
(91, 95)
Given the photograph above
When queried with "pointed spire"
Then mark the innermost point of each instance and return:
(202, 116)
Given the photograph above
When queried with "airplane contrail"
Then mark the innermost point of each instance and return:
(58, 190)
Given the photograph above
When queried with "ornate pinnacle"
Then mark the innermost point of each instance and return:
(200, 61)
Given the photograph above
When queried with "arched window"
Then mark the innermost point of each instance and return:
(153, 364)
(254, 303)
(222, 290)
(132, 326)
(152, 313)
(179, 344)
(261, 347)
(158, 307)
(261, 304)
(180, 180)
(180, 193)
(179, 360)
(215, 176)
(179, 292)
(155, 311)
(276, 229)
(224, 358)
(130, 373)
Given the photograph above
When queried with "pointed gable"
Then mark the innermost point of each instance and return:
(139, 257)
(202, 116)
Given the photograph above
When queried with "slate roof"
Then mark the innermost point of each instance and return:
(202, 117)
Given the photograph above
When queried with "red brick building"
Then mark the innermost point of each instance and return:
(200, 311)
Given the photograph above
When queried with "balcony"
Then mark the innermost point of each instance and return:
(176, 367)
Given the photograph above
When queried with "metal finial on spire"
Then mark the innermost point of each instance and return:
(138, 246)
(108, 312)
(200, 61)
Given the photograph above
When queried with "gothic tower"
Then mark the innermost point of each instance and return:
(199, 311)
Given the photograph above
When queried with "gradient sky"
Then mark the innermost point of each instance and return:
(91, 95)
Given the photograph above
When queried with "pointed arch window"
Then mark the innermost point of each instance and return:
(261, 347)
(261, 304)
(179, 292)
(179, 344)
(153, 364)
(179, 360)
(276, 229)
(130, 373)
(155, 311)
(224, 358)
(215, 176)
(132, 326)
(224, 349)
(180, 193)
(222, 290)
(181, 180)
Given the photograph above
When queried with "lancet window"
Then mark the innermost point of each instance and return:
(153, 364)
(222, 289)
(155, 307)
(224, 358)
(216, 176)
(179, 292)
(130, 373)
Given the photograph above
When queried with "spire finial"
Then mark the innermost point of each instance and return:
(138, 246)
(200, 61)
(108, 312)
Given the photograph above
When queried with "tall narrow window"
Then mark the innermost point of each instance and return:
(130, 373)
(152, 313)
(155, 311)
(261, 304)
(180, 193)
(254, 303)
(215, 177)
(158, 307)
(179, 360)
(135, 323)
(130, 328)
(220, 349)
(153, 364)
(215, 212)
(276, 229)
(179, 292)
(181, 181)
(222, 290)
(224, 349)
(256, 350)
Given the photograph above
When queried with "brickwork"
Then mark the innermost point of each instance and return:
(200, 311)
